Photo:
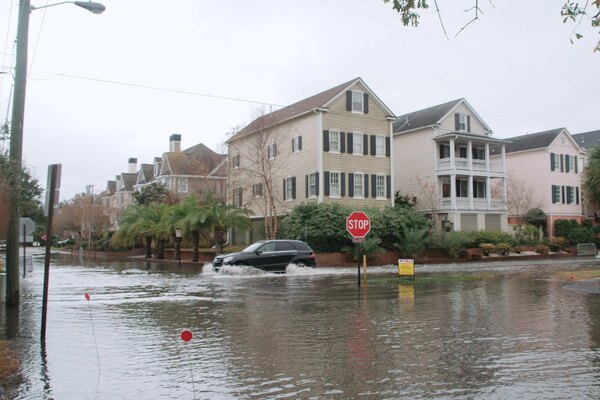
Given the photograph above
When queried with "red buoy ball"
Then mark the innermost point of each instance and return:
(87, 296)
(186, 335)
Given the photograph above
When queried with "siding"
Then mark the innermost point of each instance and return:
(447, 125)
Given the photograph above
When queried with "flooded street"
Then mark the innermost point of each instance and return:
(306, 334)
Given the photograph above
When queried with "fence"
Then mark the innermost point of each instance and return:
(586, 249)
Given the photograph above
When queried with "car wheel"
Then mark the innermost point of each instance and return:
(300, 264)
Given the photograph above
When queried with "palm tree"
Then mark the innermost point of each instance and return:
(194, 221)
(144, 221)
(223, 217)
(591, 178)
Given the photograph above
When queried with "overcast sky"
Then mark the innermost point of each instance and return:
(104, 88)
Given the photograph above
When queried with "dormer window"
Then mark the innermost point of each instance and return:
(357, 101)
(462, 122)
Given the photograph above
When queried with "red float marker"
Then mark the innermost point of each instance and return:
(186, 335)
(87, 296)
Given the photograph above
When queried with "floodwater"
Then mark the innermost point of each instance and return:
(306, 334)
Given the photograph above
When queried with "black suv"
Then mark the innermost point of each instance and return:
(270, 255)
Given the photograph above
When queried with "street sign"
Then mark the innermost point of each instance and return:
(26, 229)
(358, 224)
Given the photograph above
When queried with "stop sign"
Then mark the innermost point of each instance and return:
(358, 224)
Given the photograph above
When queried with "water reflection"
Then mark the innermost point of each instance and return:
(307, 334)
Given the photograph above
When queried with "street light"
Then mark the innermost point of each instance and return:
(16, 141)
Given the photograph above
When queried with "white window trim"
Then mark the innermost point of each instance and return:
(378, 197)
(339, 183)
(289, 189)
(362, 144)
(295, 148)
(462, 120)
(271, 155)
(314, 176)
(181, 188)
(383, 140)
(361, 195)
(362, 102)
(331, 132)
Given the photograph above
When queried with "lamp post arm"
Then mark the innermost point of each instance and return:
(91, 6)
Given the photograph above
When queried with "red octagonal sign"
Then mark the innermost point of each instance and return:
(358, 224)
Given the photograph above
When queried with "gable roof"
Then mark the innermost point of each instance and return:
(146, 173)
(532, 141)
(587, 140)
(426, 117)
(197, 160)
(128, 180)
(319, 100)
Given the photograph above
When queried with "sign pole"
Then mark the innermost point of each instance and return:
(358, 261)
(24, 251)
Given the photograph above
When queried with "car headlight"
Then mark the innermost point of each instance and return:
(228, 259)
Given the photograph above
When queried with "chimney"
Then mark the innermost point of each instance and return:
(132, 165)
(175, 143)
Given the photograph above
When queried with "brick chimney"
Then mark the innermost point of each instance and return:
(175, 143)
(132, 165)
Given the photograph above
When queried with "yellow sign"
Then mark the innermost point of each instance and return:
(406, 267)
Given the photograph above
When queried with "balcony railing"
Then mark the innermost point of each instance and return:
(479, 204)
(462, 164)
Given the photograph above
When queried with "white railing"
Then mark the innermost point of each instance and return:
(443, 164)
(464, 203)
(496, 166)
(479, 165)
(462, 164)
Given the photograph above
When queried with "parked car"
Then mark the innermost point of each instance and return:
(270, 255)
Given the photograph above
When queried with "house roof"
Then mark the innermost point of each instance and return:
(197, 160)
(146, 173)
(128, 181)
(531, 141)
(111, 187)
(319, 100)
(587, 140)
(426, 117)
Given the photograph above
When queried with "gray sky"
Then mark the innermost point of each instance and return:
(515, 66)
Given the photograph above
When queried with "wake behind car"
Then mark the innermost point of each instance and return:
(270, 255)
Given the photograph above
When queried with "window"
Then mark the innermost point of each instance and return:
(334, 184)
(462, 187)
(284, 246)
(554, 162)
(271, 151)
(237, 197)
(359, 189)
(357, 143)
(461, 122)
(478, 153)
(462, 152)
(446, 190)
(379, 146)
(182, 185)
(289, 189)
(312, 185)
(380, 186)
(555, 194)
(296, 144)
(236, 161)
(334, 141)
(479, 189)
(357, 101)
(257, 190)
(570, 195)
(444, 150)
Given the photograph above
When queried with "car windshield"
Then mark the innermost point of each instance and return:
(253, 247)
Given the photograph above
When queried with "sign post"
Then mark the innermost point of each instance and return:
(358, 225)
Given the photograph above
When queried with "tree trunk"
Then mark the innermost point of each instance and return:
(196, 244)
(148, 246)
(218, 240)
(160, 254)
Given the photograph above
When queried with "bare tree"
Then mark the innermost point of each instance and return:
(428, 200)
(519, 196)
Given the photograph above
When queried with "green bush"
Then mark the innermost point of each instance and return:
(556, 244)
(503, 249)
(562, 227)
(536, 217)
(413, 241)
(487, 248)
(581, 235)
(388, 224)
(452, 242)
(541, 249)
(369, 247)
(494, 237)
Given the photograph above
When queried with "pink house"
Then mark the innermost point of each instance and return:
(549, 164)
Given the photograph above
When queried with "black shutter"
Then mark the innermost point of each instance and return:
(342, 184)
(326, 182)
(317, 183)
(293, 187)
(567, 167)
(387, 146)
(562, 165)
(299, 142)
(350, 142)
(306, 186)
(366, 103)
(293, 145)
(240, 202)
(284, 189)
(552, 156)
(366, 185)
(350, 184)
(388, 184)
(373, 145)
(468, 123)
(456, 122)
(342, 142)
(575, 162)
(348, 100)
(553, 194)
(365, 145)
(325, 140)
(373, 185)
(576, 194)
(274, 150)
(562, 192)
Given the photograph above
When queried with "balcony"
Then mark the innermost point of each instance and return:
(464, 203)
(462, 165)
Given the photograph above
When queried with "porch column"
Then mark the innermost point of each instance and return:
(504, 159)
(452, 165)
(488, 193)
(470, 190)
(470, 154)
(504, 192)
(453, 191)
(487, 158)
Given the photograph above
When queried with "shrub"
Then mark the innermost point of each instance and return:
(581, 235)
(556, 244)
(536, 217)
(503, 249)
(452, 242)
(562, 227)
(487, 248)
(541, 249)
(413, 241)
(369, 247)
(388, 224)
(517, 249)
(478, 237)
